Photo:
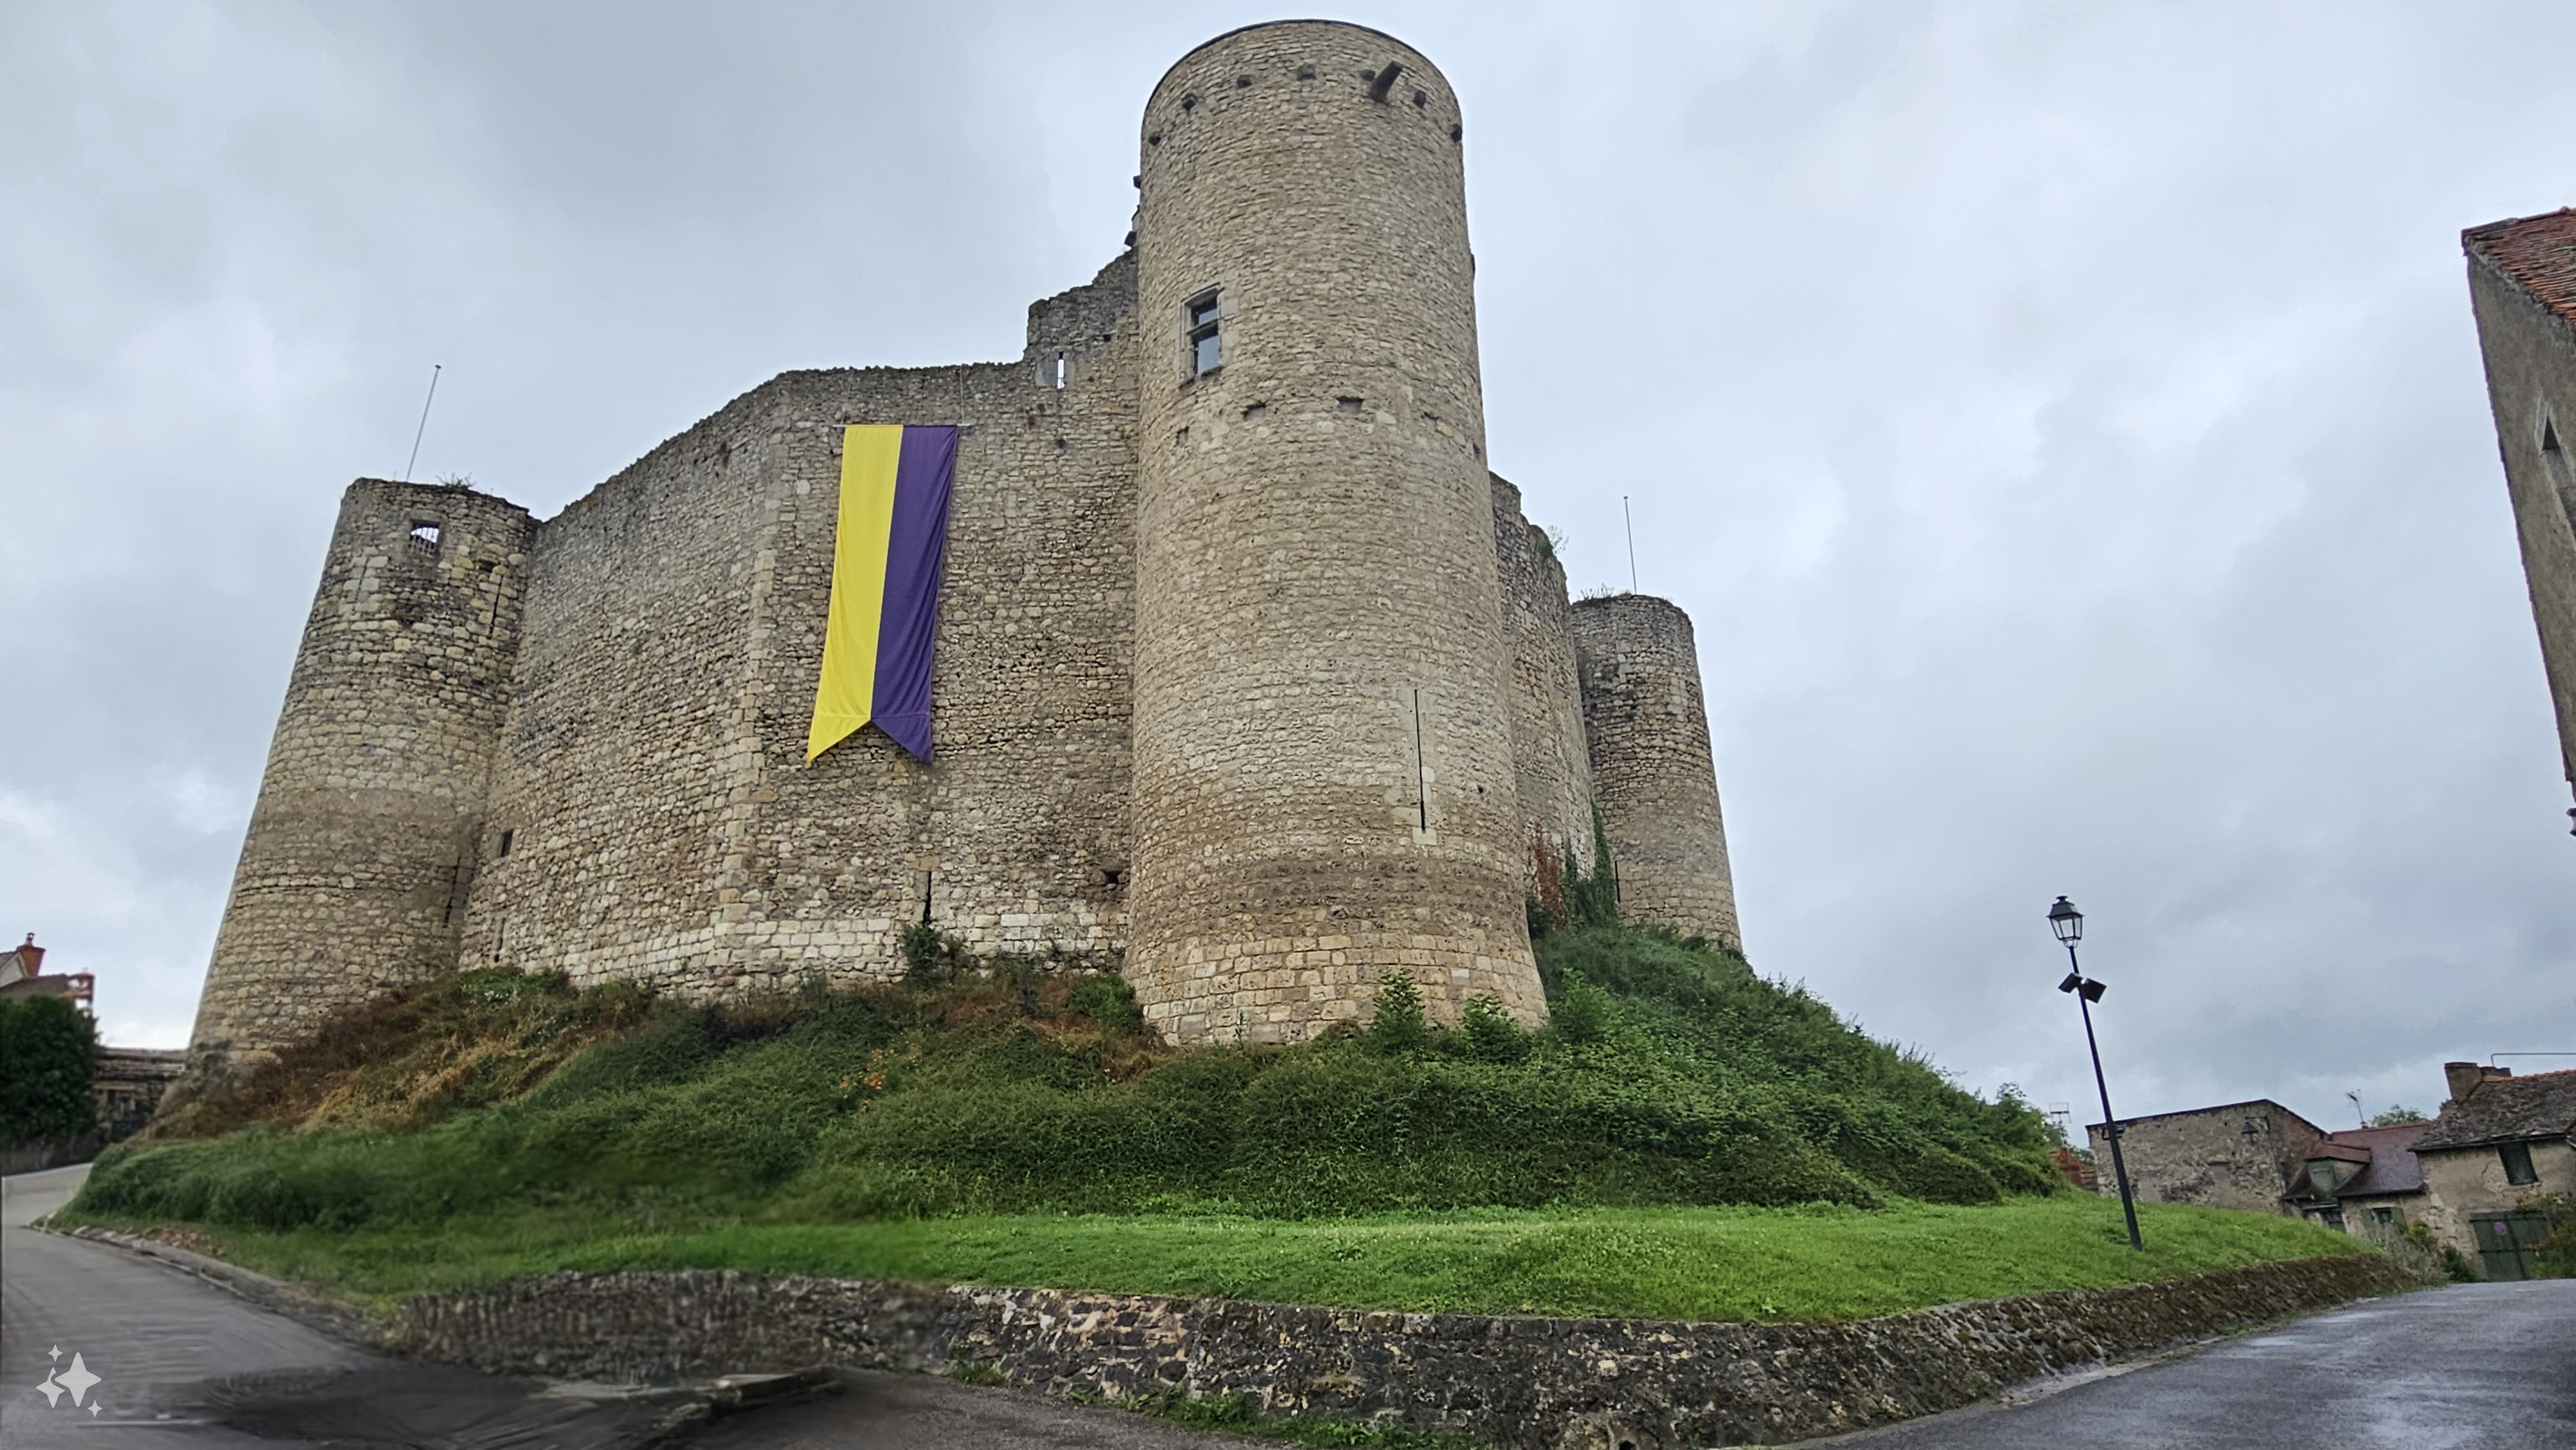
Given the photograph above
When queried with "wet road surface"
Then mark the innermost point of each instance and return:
(2469, 1367)
(182, 1364)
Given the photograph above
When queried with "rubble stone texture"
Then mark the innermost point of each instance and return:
(1184, 627)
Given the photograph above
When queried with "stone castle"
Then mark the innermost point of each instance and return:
(1249, 674)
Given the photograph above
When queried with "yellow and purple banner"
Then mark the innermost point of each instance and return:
(887, 555)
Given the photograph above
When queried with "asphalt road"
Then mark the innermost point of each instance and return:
(182, 1364)
(2473, 1366)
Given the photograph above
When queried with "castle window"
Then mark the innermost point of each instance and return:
(2517, 1162)
(1347, 405)
(506, 838)
(1306, 72)
(424, 537)
(1207, 346)
(1059, 370)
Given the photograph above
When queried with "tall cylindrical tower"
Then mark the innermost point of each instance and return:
(1324, 787)
(367, 829)
(1653, 774)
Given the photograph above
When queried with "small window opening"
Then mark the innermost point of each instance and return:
(1059, 370)
(1207, 344)
(1255, 411)
(424, 536)
(1113, 876)
(2517, 1163)
(506, 838)
(1421, 99)
(1456, 131)
(1180, 436)
(1347, 405)
(1384, 81)
(2562, 478)
(1243, 83)
(1306, 72)
(1189, 103)
(1155, 139)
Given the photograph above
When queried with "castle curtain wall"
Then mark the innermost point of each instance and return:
(665, 824)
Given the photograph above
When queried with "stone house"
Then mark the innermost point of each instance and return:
(2245, 1155)
(2260, 1157)
(2522, 286)
(2364, 1181)
(2501, 1143)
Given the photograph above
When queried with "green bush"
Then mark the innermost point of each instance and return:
(47, 1050)
(1396, 1023)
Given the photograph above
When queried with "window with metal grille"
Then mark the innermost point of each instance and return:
(1207, 341)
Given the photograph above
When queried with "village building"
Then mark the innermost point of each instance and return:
(2501, 1143)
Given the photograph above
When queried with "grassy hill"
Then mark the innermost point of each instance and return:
(1674, 1076)
(1686, 1139)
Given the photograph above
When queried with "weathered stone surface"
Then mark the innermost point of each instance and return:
(1324, 778)
(1265, 659)
(2520, 289)
(1652, 769)
(1510, 1380)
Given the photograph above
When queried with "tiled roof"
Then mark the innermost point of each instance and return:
(2538, 253)
(2392, 1168)
(2507, 1110)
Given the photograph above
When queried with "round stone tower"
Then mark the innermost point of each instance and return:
(367, 829)
(1324, 784)
(1653, 775)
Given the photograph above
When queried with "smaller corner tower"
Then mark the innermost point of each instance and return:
(362, 845)
(1653, 774)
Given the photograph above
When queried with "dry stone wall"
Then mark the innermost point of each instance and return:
(1517, 1381)
(1324, 781)
(1652, 770)
(361, 849)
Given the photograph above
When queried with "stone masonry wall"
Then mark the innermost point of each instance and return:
(1324, 781)
(1652, 769)
(665, 824)
(2531, 385)
(1230, 654)
(1549, 752)
(2205, 1157)
(361, 849)
(1522, 1382)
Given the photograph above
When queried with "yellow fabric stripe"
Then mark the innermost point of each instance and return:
(845, 696)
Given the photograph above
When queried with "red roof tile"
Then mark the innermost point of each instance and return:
(2536, 253)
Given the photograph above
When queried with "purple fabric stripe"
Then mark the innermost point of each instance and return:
(916, 557)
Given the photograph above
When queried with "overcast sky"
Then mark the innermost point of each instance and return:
(2064, 423)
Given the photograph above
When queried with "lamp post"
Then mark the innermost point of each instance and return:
(2068, 923)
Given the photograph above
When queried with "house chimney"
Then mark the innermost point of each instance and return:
(2465, 1076)
(32, 955)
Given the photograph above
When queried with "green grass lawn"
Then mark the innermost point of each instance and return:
(1728, 1263)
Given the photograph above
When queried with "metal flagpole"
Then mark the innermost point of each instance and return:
(424, 422)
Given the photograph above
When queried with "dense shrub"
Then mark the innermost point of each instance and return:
(1671, 1074)
(47, 1048)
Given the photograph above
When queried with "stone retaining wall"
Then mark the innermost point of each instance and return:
(1516, 1381)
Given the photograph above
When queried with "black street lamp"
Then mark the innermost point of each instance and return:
(2068, 923)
